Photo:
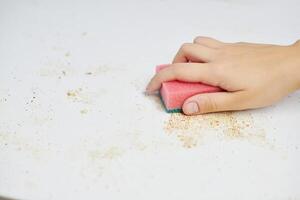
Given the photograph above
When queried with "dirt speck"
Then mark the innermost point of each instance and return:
(16, 142)
(98, 70)
(67, 54)
(79, 95)
(56, 69)
(72, 93)
(102, 69)
(84, 111)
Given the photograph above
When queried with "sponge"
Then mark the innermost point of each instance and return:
(174, 93)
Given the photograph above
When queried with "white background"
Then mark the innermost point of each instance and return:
(106, 140)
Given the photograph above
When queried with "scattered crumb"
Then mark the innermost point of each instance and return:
(84, 111)
(190, 129)
(17, 142)
(56, 69)
(72, 93)
(82, 96)
(67, 54)
(112, 153)
(109, 154)
(188, 141)
(102, 69)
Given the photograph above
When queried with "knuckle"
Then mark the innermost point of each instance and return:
(177, 70)
(219, 70)
(157, 78)
(208, 104)
(161, 75)
(184, 47)
(297, 42)
(197, 39)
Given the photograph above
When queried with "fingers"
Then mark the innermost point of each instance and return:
(189, 72)
(214, 102)
(209, 42)
(216, 44)
(194, 53)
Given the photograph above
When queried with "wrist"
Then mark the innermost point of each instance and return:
(294, 62)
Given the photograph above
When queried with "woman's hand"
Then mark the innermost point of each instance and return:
(253, 75)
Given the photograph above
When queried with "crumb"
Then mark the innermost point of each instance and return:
(84, 111)
(190, 129)
(72, 93)
(78, 95)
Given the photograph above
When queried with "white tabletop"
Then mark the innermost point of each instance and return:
(74, 123)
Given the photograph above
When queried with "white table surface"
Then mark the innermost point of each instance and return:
(74, 123)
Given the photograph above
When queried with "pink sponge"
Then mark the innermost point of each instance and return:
(174, 93)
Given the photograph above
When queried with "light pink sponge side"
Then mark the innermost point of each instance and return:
(174, 93)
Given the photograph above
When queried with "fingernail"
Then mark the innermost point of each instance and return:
(191, 108)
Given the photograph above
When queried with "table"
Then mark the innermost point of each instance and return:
(75, 124)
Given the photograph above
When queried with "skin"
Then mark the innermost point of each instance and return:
(252, 75)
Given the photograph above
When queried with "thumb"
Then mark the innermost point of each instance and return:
(214, 102)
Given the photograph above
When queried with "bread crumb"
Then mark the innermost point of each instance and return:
(72, 93)
(84, 111)
(227, 125)
(67, 54)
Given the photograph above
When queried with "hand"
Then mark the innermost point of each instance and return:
(253, 75)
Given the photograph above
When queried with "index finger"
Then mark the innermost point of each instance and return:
(189, 72)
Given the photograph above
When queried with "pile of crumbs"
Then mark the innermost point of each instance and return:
(190, 129)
